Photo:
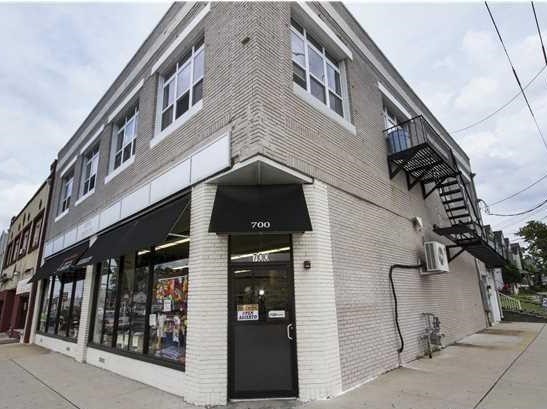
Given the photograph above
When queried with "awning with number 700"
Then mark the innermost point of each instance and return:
(260, 209)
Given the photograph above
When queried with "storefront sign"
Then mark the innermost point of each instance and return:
(247, 312)
(276, 314)
(23, 286)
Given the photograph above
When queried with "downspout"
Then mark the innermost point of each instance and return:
(406, 267)
(30, 312)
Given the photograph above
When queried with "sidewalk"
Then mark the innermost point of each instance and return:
(503, 367)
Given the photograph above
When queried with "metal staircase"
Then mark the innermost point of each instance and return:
(417, 149)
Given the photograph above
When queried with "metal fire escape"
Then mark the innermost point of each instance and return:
(418, 150)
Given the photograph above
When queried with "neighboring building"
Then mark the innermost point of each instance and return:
(225, 220)
(25, 242)
(3, 244)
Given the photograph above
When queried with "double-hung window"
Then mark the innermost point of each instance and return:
(182, 86)
(315, 70)
(66, 192)
(89, 171)
(125, 134)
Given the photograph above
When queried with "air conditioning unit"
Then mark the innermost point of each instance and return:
(436, 258)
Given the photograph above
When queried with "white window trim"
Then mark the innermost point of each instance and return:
(82, 198)
(177, 122)
(114, 141)
(91, 140)
(180, 38)
(82, 181)
(323, 29)
(126, 100)
(119, 169)
(181, 120)
(61, 215)
(315, 103)
(68, 166)
(393, 100)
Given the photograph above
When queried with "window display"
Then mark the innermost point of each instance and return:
(105, 299)
(167, 319)
(60, 307)
(141, 307)
(46, 292)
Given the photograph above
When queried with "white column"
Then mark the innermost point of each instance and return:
(85, 316)
(206, 352)
(36, 312)
(319, 372)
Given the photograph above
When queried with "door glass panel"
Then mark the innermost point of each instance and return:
(260, 248)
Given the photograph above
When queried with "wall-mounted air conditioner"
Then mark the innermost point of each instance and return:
(436, 258)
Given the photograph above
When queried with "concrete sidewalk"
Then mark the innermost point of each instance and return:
(501, 367)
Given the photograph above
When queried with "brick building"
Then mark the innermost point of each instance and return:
(225, 220)
(25, 239)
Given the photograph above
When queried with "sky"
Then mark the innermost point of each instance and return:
(54, 71)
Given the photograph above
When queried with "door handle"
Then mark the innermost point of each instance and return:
(289, 331)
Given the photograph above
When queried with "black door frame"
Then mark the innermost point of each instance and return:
(289, 265)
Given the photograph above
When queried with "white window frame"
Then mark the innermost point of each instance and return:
(174, 78)
(326, 63)
(67, 187)
(93, 163)
(119, 131)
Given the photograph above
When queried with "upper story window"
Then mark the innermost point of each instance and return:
(66, 191)
(36, 231)
(89, 170)
(124, 138)
(315, 70)
(390, 118)
(182, 86)
(24, 241)
(15, 250)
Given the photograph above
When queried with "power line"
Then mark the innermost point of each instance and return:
(539, 33)
(520, 220)
(520, 191)
(487, 117)
(516, 76)
(519, 213)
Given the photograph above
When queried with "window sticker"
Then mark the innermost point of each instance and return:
(247, 312)
(276, 314)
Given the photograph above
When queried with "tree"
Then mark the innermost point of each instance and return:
(511, 273)
(535, 235)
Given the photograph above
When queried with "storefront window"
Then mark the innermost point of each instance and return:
(107, 290)
(74, 324)
(46, 292)
(54, 306)
(60, 312)
(64, 312)
(168, 320)
(132, 309)
(147, 314)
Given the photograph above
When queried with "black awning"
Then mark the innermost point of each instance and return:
(260, 209)
(143, 232)
(62, 262)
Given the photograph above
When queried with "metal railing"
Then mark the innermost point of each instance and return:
(414, 132)
(509, 303)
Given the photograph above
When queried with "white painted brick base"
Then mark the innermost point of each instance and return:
(319, 373)
(206, 353)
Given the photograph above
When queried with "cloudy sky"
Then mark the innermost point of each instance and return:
(54, 70)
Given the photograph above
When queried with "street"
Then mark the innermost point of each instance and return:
(499, 368)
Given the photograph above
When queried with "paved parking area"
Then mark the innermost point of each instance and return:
(503, 367)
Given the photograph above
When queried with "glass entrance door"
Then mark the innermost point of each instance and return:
(261, 323)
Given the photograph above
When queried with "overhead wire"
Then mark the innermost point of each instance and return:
(519, 192)
(539, 33)
(516, 76)
(518, 213)
(487, 117)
